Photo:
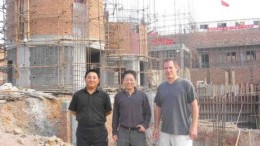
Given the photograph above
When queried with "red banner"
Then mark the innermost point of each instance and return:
(162, 41)
(231, 27)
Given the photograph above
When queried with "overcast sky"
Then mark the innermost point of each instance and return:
(201, 10)
(211, 10)
(162, 11)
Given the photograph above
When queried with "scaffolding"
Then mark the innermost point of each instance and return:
(32, 28)
(40, 42)
(51, 44)
(113, 36)
(3, 62)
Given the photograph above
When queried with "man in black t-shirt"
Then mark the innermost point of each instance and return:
(91, 105)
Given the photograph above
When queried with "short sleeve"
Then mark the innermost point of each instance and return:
(157, 99)
(108, 106)
(191, 92)
(73, 104)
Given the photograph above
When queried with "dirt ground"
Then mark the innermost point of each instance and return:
(35, 122)
(38, 122)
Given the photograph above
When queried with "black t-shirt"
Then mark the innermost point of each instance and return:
(90, 109)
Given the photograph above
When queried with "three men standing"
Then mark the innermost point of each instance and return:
(175, 104)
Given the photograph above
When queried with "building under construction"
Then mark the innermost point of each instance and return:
(48, 45)
(222, 52)
(51, 44)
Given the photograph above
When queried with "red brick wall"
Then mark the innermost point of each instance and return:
(3, 63)
(198, 75)
(217, 75)
(11, 19)
(121, 39)
(49, 17)
(242, 75)
(96, 20)
(256, 77)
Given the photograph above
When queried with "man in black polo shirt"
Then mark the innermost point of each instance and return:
(91, 105)
(131, 113)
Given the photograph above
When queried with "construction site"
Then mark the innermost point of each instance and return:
(46, 47)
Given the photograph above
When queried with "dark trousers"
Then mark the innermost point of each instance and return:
(128, 137)
(91, 135)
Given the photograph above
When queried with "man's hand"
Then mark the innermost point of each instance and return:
(140, 128)
(156, 133)
(193, 133)
(115, 138)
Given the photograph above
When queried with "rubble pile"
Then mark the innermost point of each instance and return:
(12, 93)
(16, 137)
(30, 117)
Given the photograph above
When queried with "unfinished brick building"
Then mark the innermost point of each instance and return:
(51, 43)
(127, 49)
(3, 75)
(228, 53)
(225, 54)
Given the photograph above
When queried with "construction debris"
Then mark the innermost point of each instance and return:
(18, 137)
(12, 93)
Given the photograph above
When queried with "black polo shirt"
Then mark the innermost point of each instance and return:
(90, 109)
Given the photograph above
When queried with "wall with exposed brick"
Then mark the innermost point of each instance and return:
(217, 76)
(122, 39)
(3, 64)
(242, 75)
(256, 75)
(11, 18)
(143, 40)
(50, 17)
(96, 19)
(198, 75)
(119, 37)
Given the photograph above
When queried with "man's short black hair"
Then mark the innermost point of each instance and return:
(91, 70)
(129, 72)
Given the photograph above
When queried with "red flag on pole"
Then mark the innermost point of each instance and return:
(223, 3)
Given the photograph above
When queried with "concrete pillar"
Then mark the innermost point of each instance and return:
(74, 125)
(258, 112)
(65, 128)
(151, 96)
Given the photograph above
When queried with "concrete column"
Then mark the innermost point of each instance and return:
(23, 64)
(65, 128)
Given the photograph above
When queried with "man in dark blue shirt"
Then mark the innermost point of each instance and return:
(91, 105)
(131, 113)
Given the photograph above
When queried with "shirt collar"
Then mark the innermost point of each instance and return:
(97, 90)
(124, 90)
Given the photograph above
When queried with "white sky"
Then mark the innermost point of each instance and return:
(211, 10)
(201, 10)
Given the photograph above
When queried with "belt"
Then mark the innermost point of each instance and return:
(129, 128)
(90, 126)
